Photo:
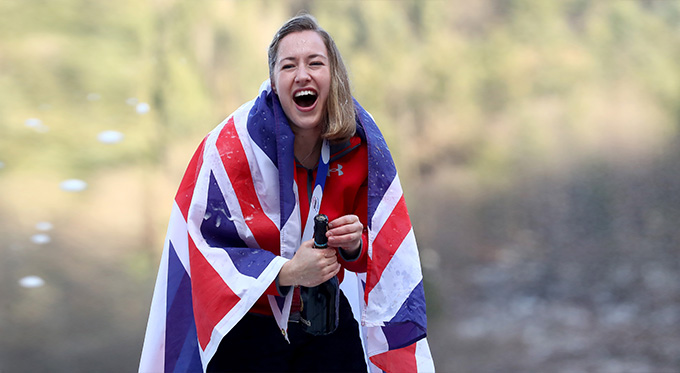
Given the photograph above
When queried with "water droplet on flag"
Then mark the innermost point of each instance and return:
(93, 97)
(44, 226)
(110, 137)
(73, 185)
(31, 282)
(2, 164)
(40, 239)
(142, 108)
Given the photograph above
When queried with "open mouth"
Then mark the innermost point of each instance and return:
(305, 98)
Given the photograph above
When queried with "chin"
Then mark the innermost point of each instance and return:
(307, 125)
(306, 122)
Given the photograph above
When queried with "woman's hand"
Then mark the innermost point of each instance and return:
(345, 233)
(310, 266)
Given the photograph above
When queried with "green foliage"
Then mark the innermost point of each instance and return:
(441, 80)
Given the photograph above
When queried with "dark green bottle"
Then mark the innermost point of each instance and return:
(319, 313)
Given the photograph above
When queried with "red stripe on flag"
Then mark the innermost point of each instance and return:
(399, 360)
(236, 163)
(186, 187)
(386, 243)
(212, 297)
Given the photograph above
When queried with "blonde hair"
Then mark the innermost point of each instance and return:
(340, 123)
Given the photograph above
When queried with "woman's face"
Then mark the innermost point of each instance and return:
(302, 79)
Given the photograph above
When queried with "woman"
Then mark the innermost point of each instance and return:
(231, 292)
(309, 82)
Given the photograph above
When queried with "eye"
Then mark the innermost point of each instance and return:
(316, 63)
(287, 67)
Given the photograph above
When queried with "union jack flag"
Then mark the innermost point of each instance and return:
(236, 209)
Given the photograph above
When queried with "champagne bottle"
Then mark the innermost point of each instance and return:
(319, 313)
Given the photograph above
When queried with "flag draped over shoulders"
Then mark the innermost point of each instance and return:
(235, 221)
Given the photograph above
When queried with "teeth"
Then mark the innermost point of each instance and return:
(305, 93)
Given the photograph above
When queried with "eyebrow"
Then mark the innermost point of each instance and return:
(310, 57)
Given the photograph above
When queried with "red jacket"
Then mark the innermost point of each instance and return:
(345, 193)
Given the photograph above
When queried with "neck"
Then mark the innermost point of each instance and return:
(307, 150)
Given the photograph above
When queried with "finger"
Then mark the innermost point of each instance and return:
(334, 241)
(344, 235)
(343, 220)
(355, 227)
(332, 271)
(331, 260)
(344, 231)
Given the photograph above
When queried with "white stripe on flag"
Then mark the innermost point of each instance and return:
(153, 351)
(401, 275)
(376, 341)
(384, 210)
(177, 234)
(424, 359)
(352, 288)
(291, 231)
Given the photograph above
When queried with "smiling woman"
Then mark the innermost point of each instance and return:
(301, 79)
(302, 36)
(247, 205)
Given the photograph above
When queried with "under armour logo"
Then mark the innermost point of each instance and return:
(338, 170)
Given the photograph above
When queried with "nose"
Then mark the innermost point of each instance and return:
(302, 74)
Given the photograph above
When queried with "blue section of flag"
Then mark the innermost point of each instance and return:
(189, 357)
(285, 161)
(261, 122)
(181, 343)
(410, 323)
(250, 262)
(218, 227)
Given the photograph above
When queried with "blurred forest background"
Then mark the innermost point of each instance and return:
(537, 142)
